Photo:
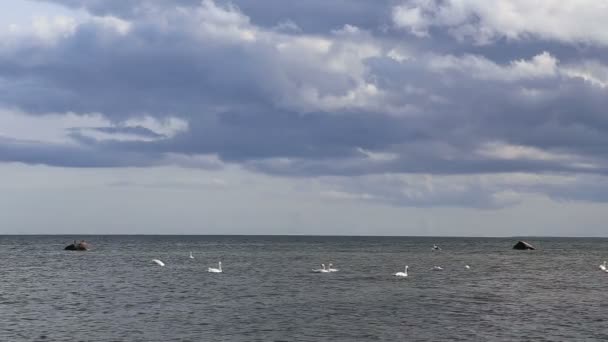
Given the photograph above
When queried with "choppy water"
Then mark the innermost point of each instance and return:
(268, 293)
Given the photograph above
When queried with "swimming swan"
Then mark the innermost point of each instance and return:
(191, 256)
(402, 274)
(216, 270)
(467, 267)
(603, 267)
(437, 268)
(321, 270)
(331, 269)
(158, 262)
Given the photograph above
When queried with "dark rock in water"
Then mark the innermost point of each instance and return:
(522, 245)
(78, 246)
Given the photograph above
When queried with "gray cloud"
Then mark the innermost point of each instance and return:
(323, 99)
(133, 130)
(316, 16)
(31, 152)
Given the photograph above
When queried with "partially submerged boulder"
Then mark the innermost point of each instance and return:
(522, 245)
(78, 246)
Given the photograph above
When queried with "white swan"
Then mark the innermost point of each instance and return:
(321, 270)
(216, 270)
(436, 248)
(331, 269)
(467, 267)
(191, 256)
(603, 267)
(158, 262)
(402, 274)
(437, 268)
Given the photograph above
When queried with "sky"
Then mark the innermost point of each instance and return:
(358, 117)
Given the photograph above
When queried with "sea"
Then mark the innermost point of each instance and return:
(268, 292)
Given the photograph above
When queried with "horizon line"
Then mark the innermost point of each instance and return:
(308, 235)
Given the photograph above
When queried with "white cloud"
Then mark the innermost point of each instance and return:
(57, 128)
(199, 161)
(512, 152)
(541, 65)
(287, 26)
(378, 156)
(308, 62)
(121, 26)
(51, 128)
(411, 18)
(343, 195)
(574, 21)
(487, 191)
(42, 29)
(49, 30)
(168, 126)
(209, 21)
(591, 71)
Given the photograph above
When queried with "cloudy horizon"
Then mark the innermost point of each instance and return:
(391, 117)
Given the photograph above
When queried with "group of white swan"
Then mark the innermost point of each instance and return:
(330, 268)
(403, 274)
(325, 270)
(210, 269)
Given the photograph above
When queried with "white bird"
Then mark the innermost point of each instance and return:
(402, 274)
(603, 267)
(331, 269)
(436, 248)
(467, 267)
(321, 270)
(191, 256)
(158, 262)
(437, 268)
(216, 270)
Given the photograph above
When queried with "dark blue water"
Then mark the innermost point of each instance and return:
(268, 292)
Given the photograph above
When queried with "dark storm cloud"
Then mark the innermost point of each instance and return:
(327, 99)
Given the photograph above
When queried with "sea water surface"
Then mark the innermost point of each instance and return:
(268, 292)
